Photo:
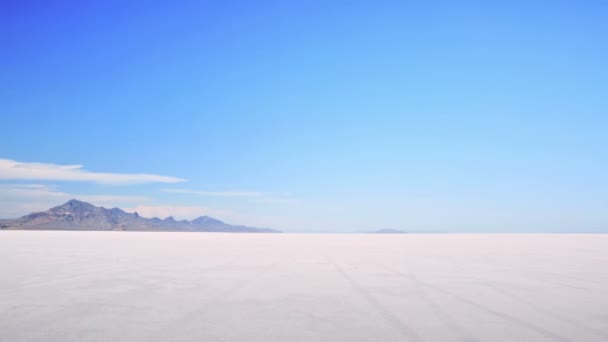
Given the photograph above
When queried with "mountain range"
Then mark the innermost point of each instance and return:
(78, 215)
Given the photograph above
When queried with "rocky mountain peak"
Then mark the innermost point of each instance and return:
(75, 204)
(206, 220)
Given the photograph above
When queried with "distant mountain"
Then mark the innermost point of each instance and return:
(388, 231)
(78, 215)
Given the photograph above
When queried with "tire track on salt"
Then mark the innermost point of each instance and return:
(484, 308)
(198, 316)
(393, 320)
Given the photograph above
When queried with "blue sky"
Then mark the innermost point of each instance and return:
(311, 116)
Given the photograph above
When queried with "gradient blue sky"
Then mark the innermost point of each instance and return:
(313, 115)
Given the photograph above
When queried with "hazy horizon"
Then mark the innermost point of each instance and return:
(310, 116)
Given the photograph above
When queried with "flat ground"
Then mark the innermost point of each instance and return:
(121, 286)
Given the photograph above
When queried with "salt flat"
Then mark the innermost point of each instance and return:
(121, 286)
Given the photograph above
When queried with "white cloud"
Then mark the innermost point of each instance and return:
(20, 199)
(15, 170)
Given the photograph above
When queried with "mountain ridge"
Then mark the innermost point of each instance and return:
(79, 215)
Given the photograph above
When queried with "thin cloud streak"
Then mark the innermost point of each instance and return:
(15, 170)
(215, 193)
(258, 196)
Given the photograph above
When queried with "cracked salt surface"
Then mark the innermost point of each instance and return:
(121, 286)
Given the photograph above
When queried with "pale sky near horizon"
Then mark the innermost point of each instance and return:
(312, 115)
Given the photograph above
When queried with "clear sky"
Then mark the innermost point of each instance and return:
(313, 115)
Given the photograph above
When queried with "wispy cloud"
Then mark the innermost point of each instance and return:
(20, 199)
(215, 193)
(15, 170)
(258, 196)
